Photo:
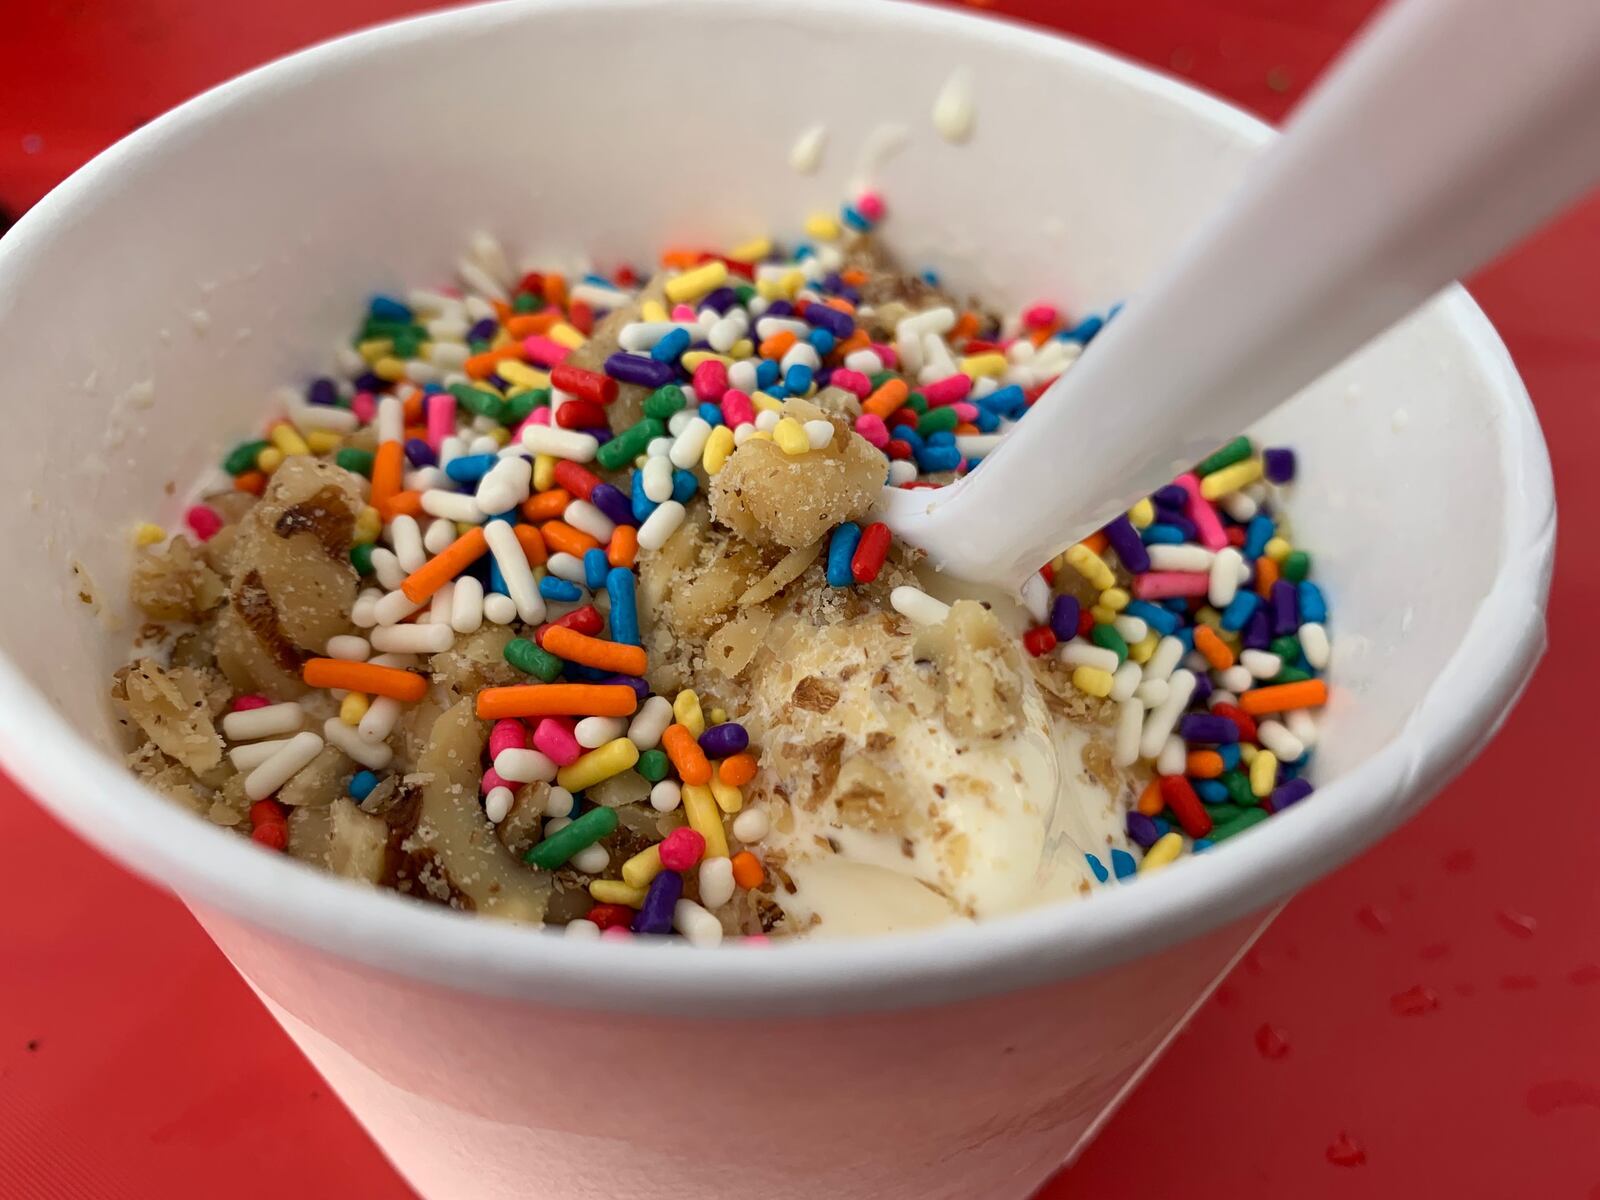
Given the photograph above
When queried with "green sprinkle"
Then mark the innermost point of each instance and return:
(1107, 637)
(519, 406)
(1291, 675)
(588, 829)
(629, 444)
(1296, 566)
(479, 402)
(1221, 814)
(745, 292)
(1239, 789)
(918, 403)
(1247, 818)
(939, 420)
(1235, 451)
(653, 765)
(1286, 647)
(242, 457)
(478, 345)
(532, 660)
(406, 344)
(526, 302)
(361, 558)
(358, 461)
(882, 377)
(377, 327)
(665, 401)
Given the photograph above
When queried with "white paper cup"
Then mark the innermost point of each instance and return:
(150, 303)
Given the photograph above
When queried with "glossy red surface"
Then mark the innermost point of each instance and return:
(1424, 1022)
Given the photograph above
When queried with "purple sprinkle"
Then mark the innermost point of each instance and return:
(851, 294)
(1203, 687)
(1143, 830)
(368, 382)
(1189, 530)
(600, 434)
(640, 688)
(420, 453)
(613, 503)
(1292, 792)
(1171, 496)
(823, 378)
(322, 391)
(1278, 464)
(1064, 617)
(498, 382)
(721, 300)
(820, 316)
(639, 369)
(780, 308)
(483, 330)
(1124, 539)
(1257, 631)
(832, 281)
(655, 914)
(1285, 608)
(1204, 727)
(722, 740)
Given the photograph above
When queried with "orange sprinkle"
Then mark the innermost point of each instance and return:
(1203, 764)
(557, 700)
(1307, 693)
(412, 407)
(481, 366)
(1266, 576)
(369, 678)
(1150, 801)
(680, 259)
(1040, 336)
(527, 324)
(1213, 647)
(445, 566)
(737, 769)
(502, 310)
(563, 538)
(778, 344)
(254, 482)
(967, 427)
(684, 752)
(546, 506)
(858, 340)
(555, 289)
(966, 328)
(402, 504)
(532, 543)
(420, 432)
(618, 657)
(388, 468)
(890, 396)
(1097, 541)
(747, 871)
(623, 549)
(854, 277)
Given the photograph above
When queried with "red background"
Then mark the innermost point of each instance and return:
(1424, 1019)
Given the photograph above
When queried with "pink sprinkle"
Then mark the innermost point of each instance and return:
(756, 941)
(441, 418)
(853, 382)
(1202, 513)
(544, 351)
(617, 933)
(553, 738)
(248, 701)
(1040, 316)
(886, 355)
(870, 206)
(206, 522)
(871, 427)
(542, 415)
(365, 407)
(965, 411)
(508, 734)
(683, 312)
(681, 849)
(1159, 585)
(737, 408)
(491, 780)
(947, 390)
(710, 380)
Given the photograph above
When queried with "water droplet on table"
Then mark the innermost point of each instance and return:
(1414, 1001)
(1345, 1151)
(1272, 1042)
(1517, 924)
(1373, 919)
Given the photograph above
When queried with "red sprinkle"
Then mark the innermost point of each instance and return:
(585, 385)
(248, 701)
(1236, 536)
(898, 448)
(1039, 641)
(580, 414)
(1245, 722)
(274, 835)
(607, 915)
(1048, 573)
(532, 282)
(1180, 797)
(682, 848)
(581, 316)
(574, 479)
(1086, 622)
(205, 521)
(580, 620)
(870, 552)
(265, 812)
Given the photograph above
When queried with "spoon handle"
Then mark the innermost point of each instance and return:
(1450, 130)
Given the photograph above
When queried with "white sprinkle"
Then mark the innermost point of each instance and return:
(661, 525)
(555, 826)
(328, 417)
(480, 281)
(248, 758)
(426, 300)
(901, 471)
(690, 444)
(751, 825)
(1224, 582)
(666, 796)
(349, 647)
(1263, 664)
(392, 609)
(1132, 629)
(1079, 653)
(698, 927)
(1168, 653)
(599, 297)
(497, 804)
(1239, 506)
(405, 535)
(592, 732)
(1303, 725)
(954, 112)
(452, 506)
(566, 566)
(282, 766)
(560, 443)
(591, 860)
(486, 251)
(867, 362)
(248, 724)
(800, 354)
(505, 485)
(583, 516)
(1036, 598)
(466, 605)
(742, 433)
(1236, 679)
(976, 445)
(1125, 680)
(413, 639)
(499, 609)
(650, 722)
(1163, 717)
(767, 420)
(361, 614)
(447, 356)
(1221, 696)
(524, 766)
(937, 361)
(391, 419)
(450, 449)
(1130, 725)
(716, 881)
(424, 478)
(581, 930)
(558, 803)
(1173, 757)
(1314, 643)
(768, 326)
(380, 718)
(484, 444)
(1151, 692)
(1165, 557)
(386, 567)
(1276, 737)
(917, 606)
(439, 536)
(658, 479)
(722, 338)
(514, 569)
(805, 156)
(373, 755)
(819, 433)
(659, 448)
(641, 336)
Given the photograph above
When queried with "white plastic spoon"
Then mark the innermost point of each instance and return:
(1449, 131)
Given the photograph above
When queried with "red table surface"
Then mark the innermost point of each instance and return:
(1422, 1022)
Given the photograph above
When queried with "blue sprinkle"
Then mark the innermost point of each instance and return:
(1212, 791)
(1009, 401)
(552, 587)
(1186, 636)
(938, 458)
(1202, 845)
(684, 486)
(361, 785)
(711, 414)
(941, 437)
(624, 607)
(930, 277)
(822, 341)
(987, 421)
(497, 581)
(1313, 605)
(804, 251)
(1176, 605)
(1163, 535)
(1123, 864)
(643, 506)
(910, 436)
(1230, 754)
(766, 373)
(777, 391)
(579, 673)
(1159, 619)
(595, 568)
(841, 549)
(853, 218)
(1163, 826)
(1083, 332)
(1257, 534)
(1098, 867)
(798, 378)
(387, 308)
(670, 346)
(1240, 609)
(510, 516)
(470, 468)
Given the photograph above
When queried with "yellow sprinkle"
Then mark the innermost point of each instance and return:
(760, 435)
(694, 358)
(1167, 848)
(269, 460)
(717, 716)
(353, 707)
(705, 818)
(1230, 479)
(368, 525)
(644, 866)
(686, 712)
(743, 348)
(766, 403)
(544, 472)
(992, 365)
(1277, 549)
(1143, 513)
(146, 534)
(728, 797)
(653, 310)
(1141, 650)
(323, 441)
(791, 436)
(1115, 598)
(792, 282)
(465, 527)
(752, 251)
(822, 226)
(769, 289)
(287, 438)
(375, 348)
(521, 373)
(501, 435)
(693, 284)
(1263, 773)
(1247, 753)
(390, 369)
(563, 334)
(502, 339)
(1091, 566)
(1209, 616)
(1092, 680)
(1103, 614)
(613, 758)
(718, 446)
(614, 891)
